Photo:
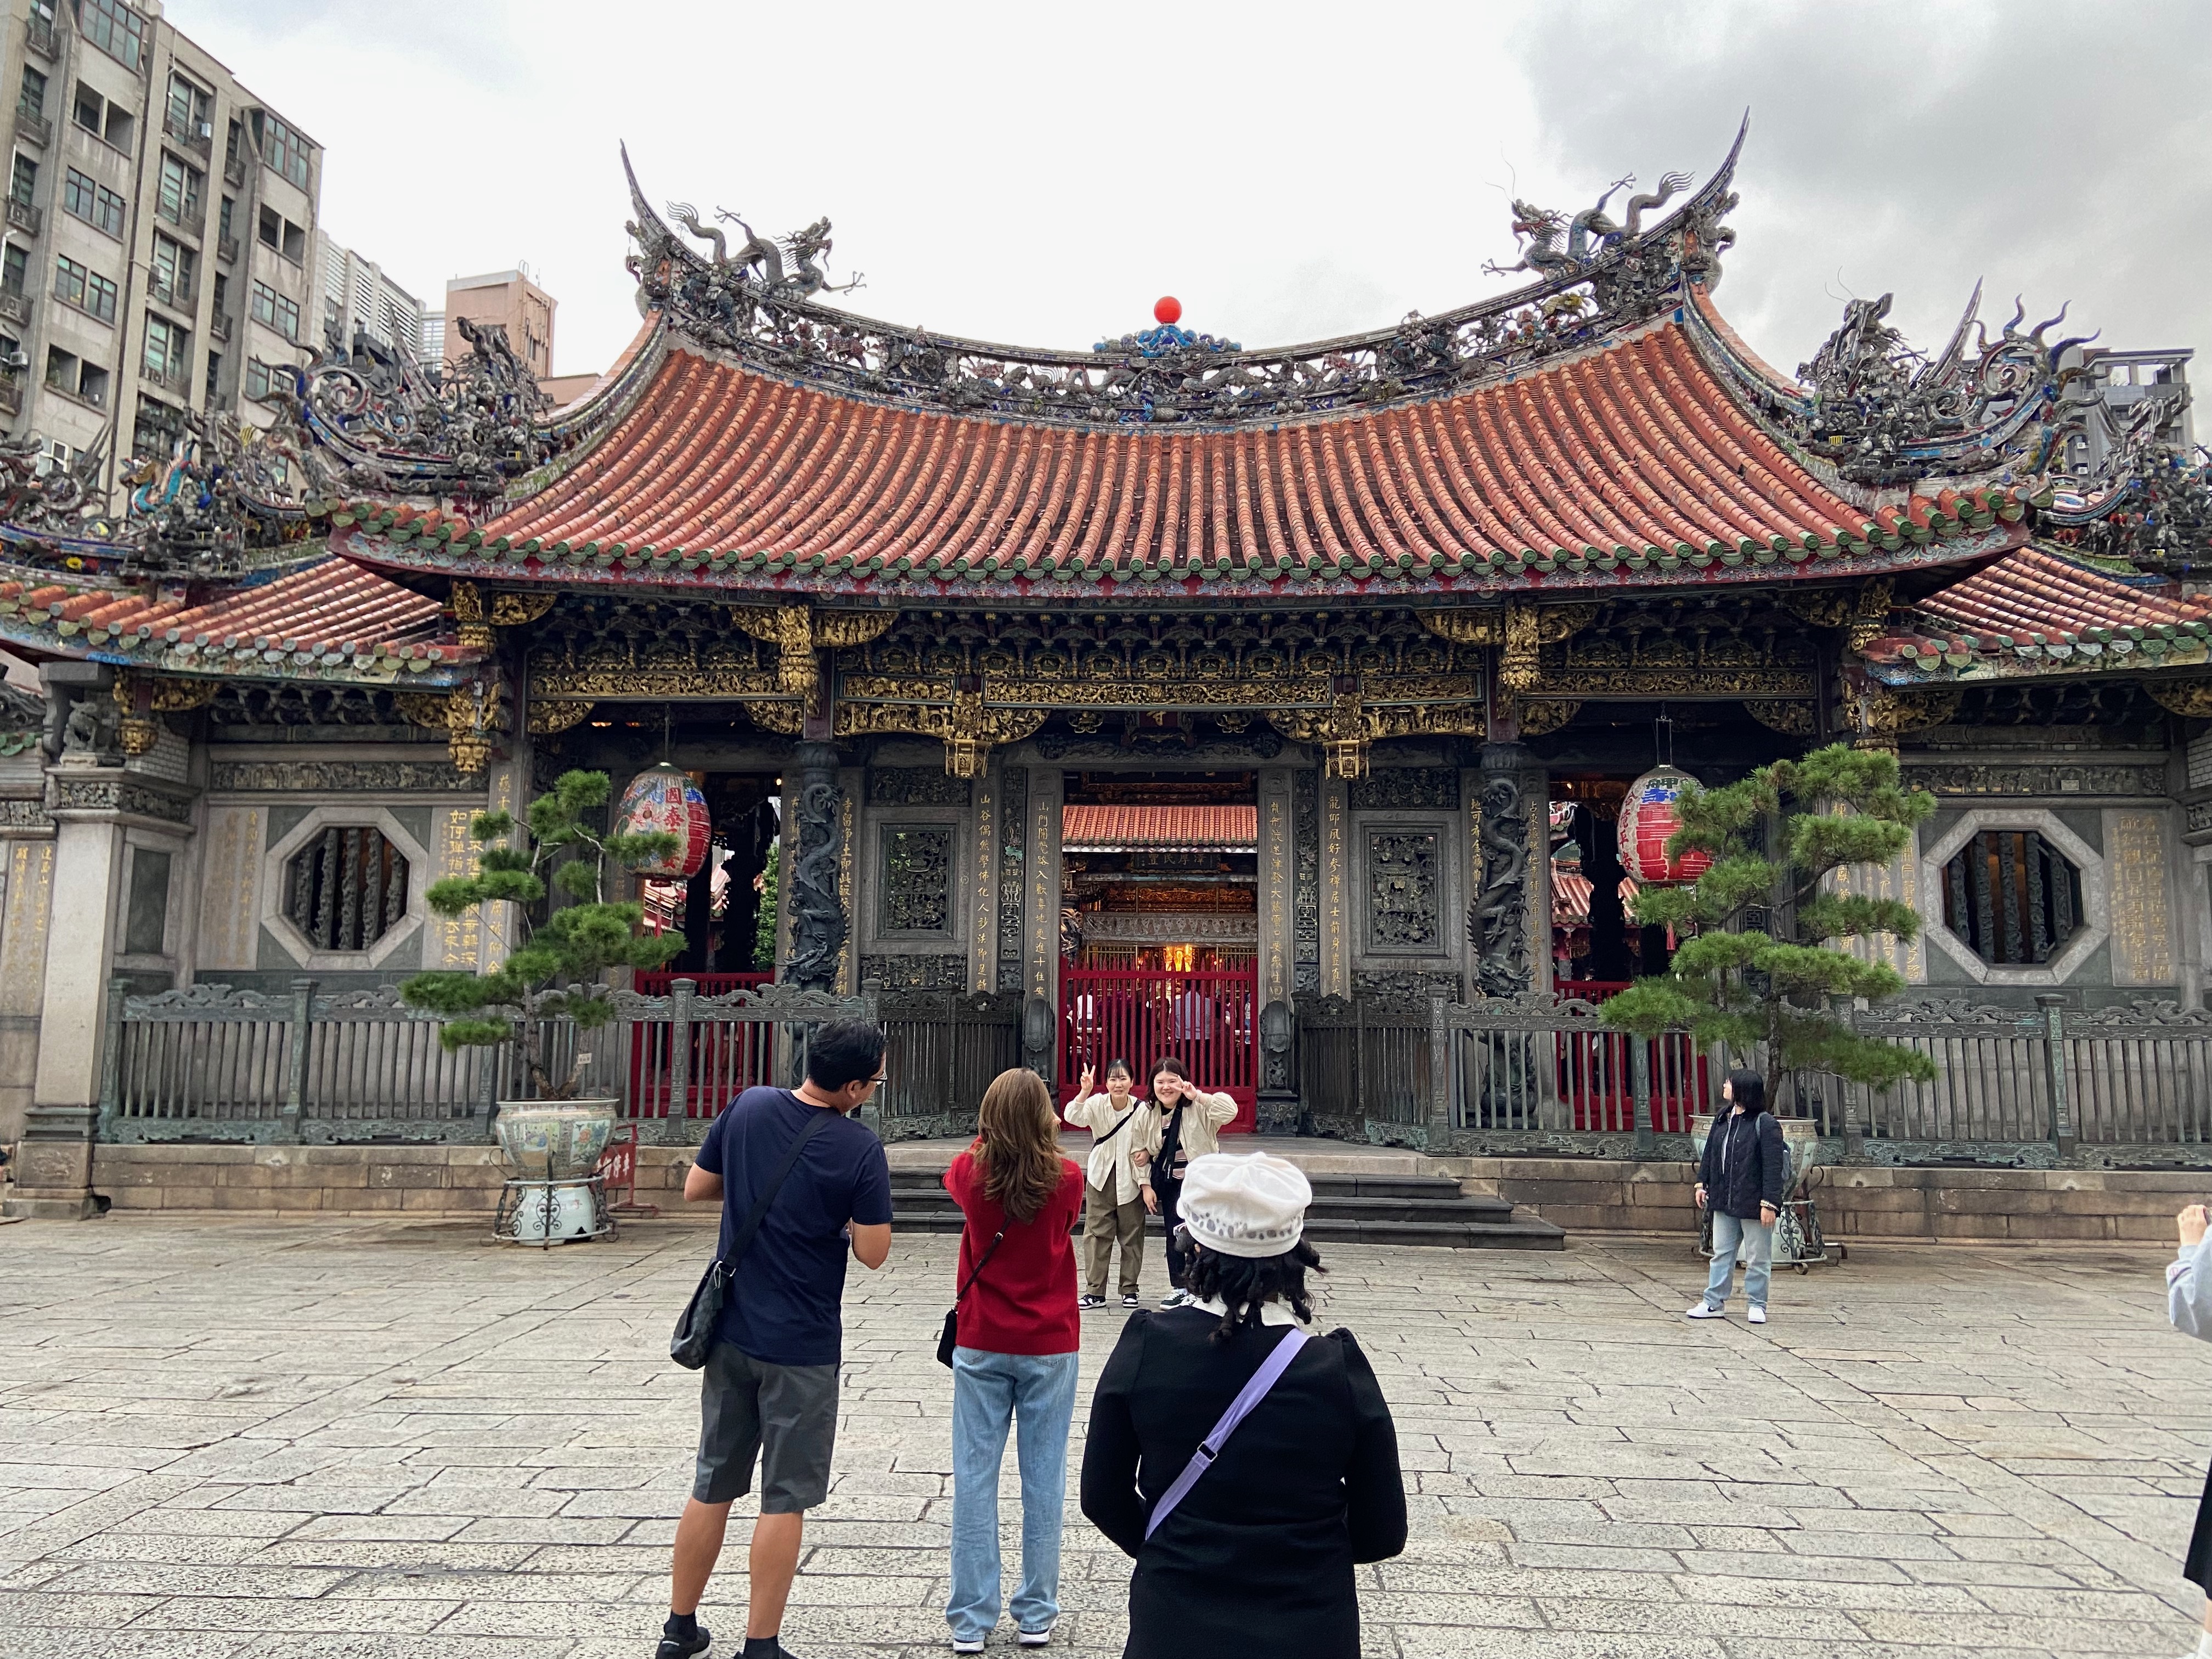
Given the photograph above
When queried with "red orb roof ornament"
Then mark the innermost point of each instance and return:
(1167, 309)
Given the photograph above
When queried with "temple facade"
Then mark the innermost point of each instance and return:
(1304, 674)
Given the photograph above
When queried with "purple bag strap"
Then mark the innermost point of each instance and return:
(1271, 1370)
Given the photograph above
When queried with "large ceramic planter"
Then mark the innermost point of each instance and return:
(551, 1148)
(554, 1140)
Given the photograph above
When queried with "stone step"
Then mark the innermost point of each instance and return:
(1369, 1209)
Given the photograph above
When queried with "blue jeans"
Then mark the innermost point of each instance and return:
(1729, 1233)
(1036, 1392)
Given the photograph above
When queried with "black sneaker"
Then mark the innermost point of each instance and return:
(682, 1647)
(1131, 1300)
(1090, 1301)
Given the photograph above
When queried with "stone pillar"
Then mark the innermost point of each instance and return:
(813, 877)
(1041, 946)
(983, 875)
(1336, 919)
(53, 1162)
(1509, 904)
(1275, 875)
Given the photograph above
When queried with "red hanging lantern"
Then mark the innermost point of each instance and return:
(661, 798)
(1648, 817)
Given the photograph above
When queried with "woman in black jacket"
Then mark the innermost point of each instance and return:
(1741, 1180)
(1257, 1556)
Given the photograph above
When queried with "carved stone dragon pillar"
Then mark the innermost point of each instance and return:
(1498, 924)
(818, 925)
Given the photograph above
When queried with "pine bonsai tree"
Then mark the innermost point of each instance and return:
(556, 971)
(1748, 988)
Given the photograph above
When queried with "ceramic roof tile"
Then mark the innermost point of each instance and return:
(1187, 829)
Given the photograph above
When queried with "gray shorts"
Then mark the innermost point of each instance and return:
(785, 1415)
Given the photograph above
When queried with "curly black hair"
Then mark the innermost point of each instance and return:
(1243, 1284)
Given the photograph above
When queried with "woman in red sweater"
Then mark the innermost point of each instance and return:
(1016, 1355)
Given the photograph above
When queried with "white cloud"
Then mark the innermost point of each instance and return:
(1040, 174)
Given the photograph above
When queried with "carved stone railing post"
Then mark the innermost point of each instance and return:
(818, 925)
(1854, 1133)
(2053, 1008)
(1639, 1090)
(681, 995)
(110, 1060)
(301, 1037)
(1439, 1102)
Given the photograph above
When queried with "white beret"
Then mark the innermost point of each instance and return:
(1253, 1204)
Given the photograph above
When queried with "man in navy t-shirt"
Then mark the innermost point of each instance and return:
(769, 1389)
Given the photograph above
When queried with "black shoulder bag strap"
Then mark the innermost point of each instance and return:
(695, 1331)
(949, 1338)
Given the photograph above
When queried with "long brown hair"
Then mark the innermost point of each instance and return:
(1017, 1144)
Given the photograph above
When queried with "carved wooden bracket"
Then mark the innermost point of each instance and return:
(1529, 625)
(477, 613)
(550, 715)
(468, 717)
(799, 631)
(2191, 699)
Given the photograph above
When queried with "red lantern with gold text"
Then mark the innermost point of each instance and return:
(661, 798)
(1648, 817)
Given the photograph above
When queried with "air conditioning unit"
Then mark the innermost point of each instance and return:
(207, 129)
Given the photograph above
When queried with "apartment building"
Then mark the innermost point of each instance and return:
(514, 302)
(160, 229)
(357, 295)
(432, 351)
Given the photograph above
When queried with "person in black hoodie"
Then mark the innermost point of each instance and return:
(1257, 1556)
(1741, 1180)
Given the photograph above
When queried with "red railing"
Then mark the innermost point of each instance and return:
(1208, 1021)
(1596, 1082)
(1592, 990)
(723, 1059)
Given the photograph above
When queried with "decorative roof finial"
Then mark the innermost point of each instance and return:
(1166, 311)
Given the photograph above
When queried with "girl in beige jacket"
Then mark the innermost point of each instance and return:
(1184, 1122)
(1114, 1206)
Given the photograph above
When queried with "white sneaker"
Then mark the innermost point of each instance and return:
(966, 1645)
(1704, 1310)
(1175, 1299)
(1037, 1638)
(1759, 1315)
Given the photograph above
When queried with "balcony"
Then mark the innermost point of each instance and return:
(198, 137)
(22, 217)
(192, 220)
(225, 249)
(33, 127)
(39, 36)
(178, 295)
(11, 394)
(219, 325)
(234, 171)
(15, 306)
(177, 382)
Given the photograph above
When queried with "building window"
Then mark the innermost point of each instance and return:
(171, 272)
(285, 150)
(188, 109)
(94, 203)
(32, 100)
(346, 889)
(168, 349)
(15, 270)
(67, 372)
(155, 434)
(213, 378)
(279, 233)
(25, 181)
(279, 311)
(114, 29)
(256, 379)
(146, 918)
(222, 218)
(2014, 897)
(178, 199)
(1405, 897)
(917, 879)
(106, 120)
(84, 288)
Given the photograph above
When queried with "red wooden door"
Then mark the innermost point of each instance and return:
(1208, 1021)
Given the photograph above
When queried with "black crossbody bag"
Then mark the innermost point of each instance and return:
(694, 1332)
(949, 1338)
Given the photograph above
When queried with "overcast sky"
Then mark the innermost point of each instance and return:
(1038, 174)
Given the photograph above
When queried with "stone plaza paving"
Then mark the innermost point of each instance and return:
(371, 1440)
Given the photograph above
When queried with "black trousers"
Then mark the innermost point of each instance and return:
(2197, 1565)
(1169, 1193)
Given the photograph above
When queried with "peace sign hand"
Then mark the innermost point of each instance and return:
(1083, 1088)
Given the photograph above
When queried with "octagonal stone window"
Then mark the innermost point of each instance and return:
(346, 888)
(2012, 897)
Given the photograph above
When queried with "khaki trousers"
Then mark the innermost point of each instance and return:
(1104, 1222)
